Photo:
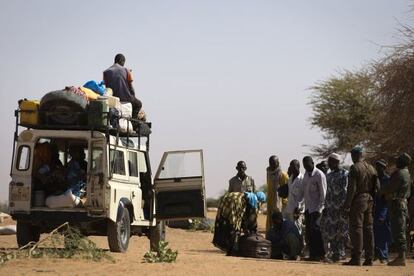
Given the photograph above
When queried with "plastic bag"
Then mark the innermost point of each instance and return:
(96, 87)
(126, 110)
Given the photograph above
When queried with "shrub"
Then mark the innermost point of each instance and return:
(164, 254)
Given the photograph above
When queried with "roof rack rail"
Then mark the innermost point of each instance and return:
(141, 129)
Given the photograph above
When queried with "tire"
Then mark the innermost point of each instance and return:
(26, 233)
(63, 107)
(157, 234)
(119, 232)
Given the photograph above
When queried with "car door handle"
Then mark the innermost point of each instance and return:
(177, 179)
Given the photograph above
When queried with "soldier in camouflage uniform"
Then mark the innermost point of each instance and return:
(397, 192)
(362, 186)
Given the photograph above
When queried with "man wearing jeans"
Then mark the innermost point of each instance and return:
(314, 185)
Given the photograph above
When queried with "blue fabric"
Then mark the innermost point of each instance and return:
(261, 197)
(74, 178)
(45, 169)
(251, 199)
(95, 87)
(278, 236)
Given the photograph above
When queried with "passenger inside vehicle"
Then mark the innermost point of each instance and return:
(62, 185)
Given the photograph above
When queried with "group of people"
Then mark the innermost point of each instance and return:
(329, 209)
(63, 185)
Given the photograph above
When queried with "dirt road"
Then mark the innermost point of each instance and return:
(196, 256)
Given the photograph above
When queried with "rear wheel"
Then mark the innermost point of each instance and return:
(119, 232)
(26, 233)
(157, 234)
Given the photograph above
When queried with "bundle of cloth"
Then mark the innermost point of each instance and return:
(237, 213)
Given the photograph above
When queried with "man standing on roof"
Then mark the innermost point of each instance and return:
(119, 79)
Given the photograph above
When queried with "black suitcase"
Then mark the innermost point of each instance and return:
(255, 246)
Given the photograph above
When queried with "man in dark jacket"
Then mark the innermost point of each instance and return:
(285, 238)
(119, 79)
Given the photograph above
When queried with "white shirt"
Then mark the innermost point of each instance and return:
(314, 185)
(295, 197)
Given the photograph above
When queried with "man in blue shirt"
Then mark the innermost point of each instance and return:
(382, 228)
(285, 238)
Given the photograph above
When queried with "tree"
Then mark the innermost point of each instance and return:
(345, 110)
(395, 77)
(372, 107)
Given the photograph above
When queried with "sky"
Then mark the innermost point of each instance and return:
(229, 77)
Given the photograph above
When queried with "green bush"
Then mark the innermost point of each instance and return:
(64, 242)
(212, 202)
(204, 225)
(162, 255)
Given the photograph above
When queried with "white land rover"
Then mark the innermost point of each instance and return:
(120, 198)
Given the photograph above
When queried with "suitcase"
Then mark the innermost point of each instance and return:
(29, 112)
(255, 246)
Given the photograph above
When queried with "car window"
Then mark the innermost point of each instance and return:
(181, 164)
(142, 163)
(118, 162)
(97, 158)
(23, 158)
(133, 164)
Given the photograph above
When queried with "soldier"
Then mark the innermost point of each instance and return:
(241, 182)
(397, 192)
(362, 186)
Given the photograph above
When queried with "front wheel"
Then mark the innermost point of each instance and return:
(26, 233)
(119, 232)
(157, 234)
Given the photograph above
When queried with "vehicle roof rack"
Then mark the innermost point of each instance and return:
(142, 129)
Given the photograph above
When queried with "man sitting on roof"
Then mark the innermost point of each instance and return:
(119, 79)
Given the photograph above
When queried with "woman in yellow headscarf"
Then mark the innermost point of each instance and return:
(275, 179)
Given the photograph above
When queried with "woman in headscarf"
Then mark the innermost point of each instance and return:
(237, 213)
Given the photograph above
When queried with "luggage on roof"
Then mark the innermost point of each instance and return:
(64, 107)
(71, 108)
(29, 112)
(98, 113)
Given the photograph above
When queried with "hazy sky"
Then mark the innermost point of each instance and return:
(230, 77)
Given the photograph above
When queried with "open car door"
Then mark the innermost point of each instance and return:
(179, 185)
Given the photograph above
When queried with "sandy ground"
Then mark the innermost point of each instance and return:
(197, 256)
